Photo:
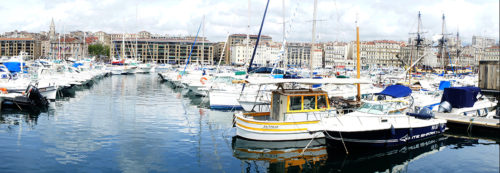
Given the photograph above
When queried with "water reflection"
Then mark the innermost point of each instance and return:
(290, 156)
(382, 160)
(279, 156)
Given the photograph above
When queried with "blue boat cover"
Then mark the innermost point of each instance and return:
(317, 85)
(444, 84)
(396, 91)
(265, 70)
(278, 76)
(77, 64)
(460, 97)
(14, 67)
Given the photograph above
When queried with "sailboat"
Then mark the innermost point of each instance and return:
(123, 65)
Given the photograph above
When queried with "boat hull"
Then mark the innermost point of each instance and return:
(276, 131)
(384, 137)
(224, 101)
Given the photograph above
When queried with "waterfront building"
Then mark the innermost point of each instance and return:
(218, 49)
(102, 38)
(267, 53)
(379, 53)
(13, 46)
(482, 42)
(298, 54)
(336, 54)
(234, 39)
(69, 47)
(173, 50)
(492, 53)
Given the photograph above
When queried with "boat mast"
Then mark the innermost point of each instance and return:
(443, 41)
(135, 51)
(202, 42)
(283, 40)
(256, 44)
(358, 62)
(313, 39)
(418, 44)
(123, 45)
(64, 43)
(247, 50)
(458, 45)
(191, 50)
(84, 43)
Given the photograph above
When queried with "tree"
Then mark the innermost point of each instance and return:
(98, 50)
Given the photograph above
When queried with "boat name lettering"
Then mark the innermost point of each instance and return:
(423, 135)
(270, 127)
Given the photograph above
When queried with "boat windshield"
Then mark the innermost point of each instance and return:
(374, 108)
(307, 103)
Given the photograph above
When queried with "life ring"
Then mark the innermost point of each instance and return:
(179, 76)
(3, 90)
(202, 80)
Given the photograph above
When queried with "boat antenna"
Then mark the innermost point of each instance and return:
(256, 44)
(191, 51)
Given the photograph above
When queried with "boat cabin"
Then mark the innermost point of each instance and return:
(295, 101)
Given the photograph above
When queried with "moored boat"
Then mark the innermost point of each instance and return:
(383, 123)
(294, 112)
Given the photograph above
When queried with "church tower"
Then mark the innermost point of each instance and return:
(52, 31)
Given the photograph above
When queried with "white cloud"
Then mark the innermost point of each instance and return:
(390, 19)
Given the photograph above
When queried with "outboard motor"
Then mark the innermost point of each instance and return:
(424, 113)
(36, 98)
(444, 107)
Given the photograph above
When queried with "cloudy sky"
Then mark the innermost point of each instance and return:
(378, 19)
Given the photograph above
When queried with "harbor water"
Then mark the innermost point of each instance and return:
(136, 123)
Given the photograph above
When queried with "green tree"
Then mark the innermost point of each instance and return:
(98, 49)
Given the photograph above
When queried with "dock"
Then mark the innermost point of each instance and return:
(469, 123)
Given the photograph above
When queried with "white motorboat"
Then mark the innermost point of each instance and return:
(382, 123)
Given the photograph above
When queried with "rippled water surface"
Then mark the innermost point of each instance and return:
(136, 123)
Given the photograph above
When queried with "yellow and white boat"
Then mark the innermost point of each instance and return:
(293, 111)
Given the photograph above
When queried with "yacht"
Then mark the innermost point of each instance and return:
(382, 122)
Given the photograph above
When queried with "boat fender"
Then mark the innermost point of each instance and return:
(393, 131)
(410, 132)
(4, 90)
(202, 80)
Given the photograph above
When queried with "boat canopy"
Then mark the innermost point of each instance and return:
(14, 67)
(460, 97)
(396, 91)
(335, 81)
(444, 84)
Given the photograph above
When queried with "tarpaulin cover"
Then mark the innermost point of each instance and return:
(265, 70)
(317, 85)
(396, 91)
(444, 84)
(77, 64)
(14, 66)
(460, 97)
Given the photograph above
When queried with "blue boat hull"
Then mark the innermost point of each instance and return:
(226, 107)
(383, 138)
